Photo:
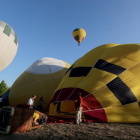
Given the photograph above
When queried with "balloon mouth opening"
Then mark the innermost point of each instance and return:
(72, 96)
(88, 105)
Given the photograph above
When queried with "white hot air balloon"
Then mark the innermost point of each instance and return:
(8, 45)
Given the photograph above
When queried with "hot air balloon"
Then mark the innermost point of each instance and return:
(79, 34)
(40, 79)
(108, 78)
(8, 45)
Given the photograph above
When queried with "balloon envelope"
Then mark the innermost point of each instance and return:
(79, 34)
(108, 79)
(8, 45)
(40, 79)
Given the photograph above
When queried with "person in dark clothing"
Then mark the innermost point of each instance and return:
(40, 105)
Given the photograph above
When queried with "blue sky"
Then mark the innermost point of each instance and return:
(44, 28)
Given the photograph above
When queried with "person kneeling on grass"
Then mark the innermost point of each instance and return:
(39, 118)
(36, 116)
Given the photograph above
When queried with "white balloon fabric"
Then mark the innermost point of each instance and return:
(46, 66)
(8, 45)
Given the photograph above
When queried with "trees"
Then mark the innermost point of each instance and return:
(3, 87)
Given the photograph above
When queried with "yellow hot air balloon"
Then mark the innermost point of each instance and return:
(41, 78)
(108, 78)
(79, 34)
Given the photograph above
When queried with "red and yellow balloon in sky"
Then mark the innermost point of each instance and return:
(79, 34)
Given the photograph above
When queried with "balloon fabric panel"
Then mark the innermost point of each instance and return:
(129, 113)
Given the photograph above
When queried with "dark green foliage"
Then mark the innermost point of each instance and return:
(3, 87)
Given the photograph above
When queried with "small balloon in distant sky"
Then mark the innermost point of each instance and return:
(79, 34)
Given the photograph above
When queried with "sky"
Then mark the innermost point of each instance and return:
(44, 28)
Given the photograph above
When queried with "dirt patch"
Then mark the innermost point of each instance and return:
(85, 131)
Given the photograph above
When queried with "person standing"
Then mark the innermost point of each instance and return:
(31, 102)
(79, 108)
(40, 105)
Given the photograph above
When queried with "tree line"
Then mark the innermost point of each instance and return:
(3, 87)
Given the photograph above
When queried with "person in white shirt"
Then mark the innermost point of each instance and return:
(31, 101)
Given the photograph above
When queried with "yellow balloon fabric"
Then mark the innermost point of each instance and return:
(108, 78)
(79, 34)
(41, 79)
